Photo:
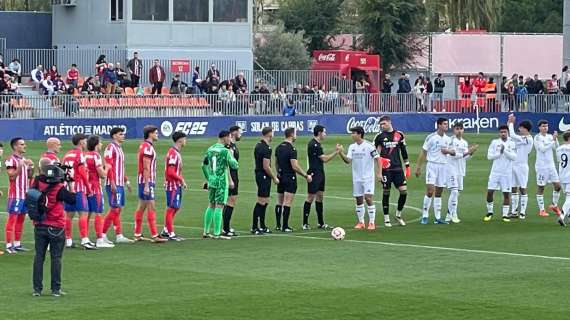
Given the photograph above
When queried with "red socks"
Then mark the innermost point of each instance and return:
(9, 229)
(138, 223)
(83, 226)
(68, 227)
(20, 219)
(98, 226)
(113, 217)
(117, 222)
(169, 219)
(151, 217)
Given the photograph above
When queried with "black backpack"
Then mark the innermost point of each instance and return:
(36, 201)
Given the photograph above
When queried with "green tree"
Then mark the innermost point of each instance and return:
(281, 50)
(25, 5)
(317, 18)
(464, 14)
(390, 27)
(543, 16)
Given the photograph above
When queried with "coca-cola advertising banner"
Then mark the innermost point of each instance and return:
(40, 129)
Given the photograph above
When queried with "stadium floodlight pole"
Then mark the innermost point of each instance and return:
(477, 116)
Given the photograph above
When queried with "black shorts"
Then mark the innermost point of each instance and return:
(287, 183)
(318, 183)
(395, 177)
(263, 182)
(235, 179)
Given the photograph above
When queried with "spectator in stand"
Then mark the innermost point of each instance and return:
(48, 86)
(123, 80)
(552, 89)
(240, 84)
(178, 86)
(259, 102)
(466, 89)
(404, 85)
(538, 85)
(16, 69)
(2, 66)
(491, 94)
(521, 93)
(419, 92)
(564, 78)
(196, 81)
(439, 85)
(70, 104)
(289, 109)
(360, 87)
(4, 85)
(135, 68)
(37, 75)
(298, 89)
(73, 76)
(100, 65)
(110, 79)
(157, 76)
(510, 90)
(264, 89)
(429, 93)
(59, 85)
(11, 85)
(88, 87)
(97, 87)
(333, 100)
(387, 84)
(53, 72)
(213, 73)
(479, 83)
(274, 101)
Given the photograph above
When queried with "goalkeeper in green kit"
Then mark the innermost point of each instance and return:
(215, 167)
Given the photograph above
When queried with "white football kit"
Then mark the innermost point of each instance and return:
(563, 156)
(436, 161)
(502, 169)
(545, 168)
(457, 165)
(524, 146)
(363, 157)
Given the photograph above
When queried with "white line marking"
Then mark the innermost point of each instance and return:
(409, 245)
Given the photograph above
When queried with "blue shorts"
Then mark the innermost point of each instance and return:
(146, 197)
(95, 203)
(116, 200)
(16, 206)
(80, 204)
(174, 198)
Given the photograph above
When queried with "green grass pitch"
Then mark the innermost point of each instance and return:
(466, 271)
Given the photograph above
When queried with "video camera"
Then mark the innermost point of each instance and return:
(57, 173)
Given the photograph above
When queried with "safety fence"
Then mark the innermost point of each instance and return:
(226, 103)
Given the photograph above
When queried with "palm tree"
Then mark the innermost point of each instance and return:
(464, 14)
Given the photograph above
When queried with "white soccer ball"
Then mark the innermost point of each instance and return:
(338, 233)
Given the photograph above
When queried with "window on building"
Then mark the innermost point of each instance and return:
(191, 10)
(230, 10)
(150, 10)
(117, 10)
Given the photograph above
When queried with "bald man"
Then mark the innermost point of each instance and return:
(53, 147)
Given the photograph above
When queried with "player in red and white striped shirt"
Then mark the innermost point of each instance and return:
(75, 159)
(174, 182)
(53, 148)
(115, 185)
(20, 170)
(147, 183)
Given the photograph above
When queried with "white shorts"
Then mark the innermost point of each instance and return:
(360, 188)
(546, 175)
(436, 174)
(520, 176)
(566, 188)
(455, 181)
(499, 183)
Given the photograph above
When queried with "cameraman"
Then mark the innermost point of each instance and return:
(50, 231)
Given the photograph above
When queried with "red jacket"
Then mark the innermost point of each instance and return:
(154, 76)
(479, 85)
(55, 198)
(466, 90)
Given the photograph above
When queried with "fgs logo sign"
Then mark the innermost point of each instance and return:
(196, 128)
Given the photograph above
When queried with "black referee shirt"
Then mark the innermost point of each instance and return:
(314, 153)
(284, 153)
(262, 151)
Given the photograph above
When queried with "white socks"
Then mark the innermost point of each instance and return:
(524, 201)
(540, 202)
(505, 211)
(372, 214)
(426, 206)
(437, 208)
(490, 207)
(514, 202)
(360, 213)
(452, 202)
(566, 207)
(555, 197)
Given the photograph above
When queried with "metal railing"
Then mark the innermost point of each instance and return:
(3, 48)
(112, 106)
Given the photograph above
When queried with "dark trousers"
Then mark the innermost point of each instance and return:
(134, 80)
(55, 238)
(157, 88)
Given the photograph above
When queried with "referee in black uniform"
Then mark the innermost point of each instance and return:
(263, 177)
(235, 136)
(287, 168)
(390, 144)
(316, 188)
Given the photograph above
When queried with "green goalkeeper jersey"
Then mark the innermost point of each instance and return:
(216, 164)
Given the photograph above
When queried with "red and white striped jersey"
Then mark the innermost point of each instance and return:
(115, 159)
(75, 159)
(18, 186)
(146, 150)
(51, 156)
(93, 161)
(172, 160)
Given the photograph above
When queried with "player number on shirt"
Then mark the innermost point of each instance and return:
(564, 162)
